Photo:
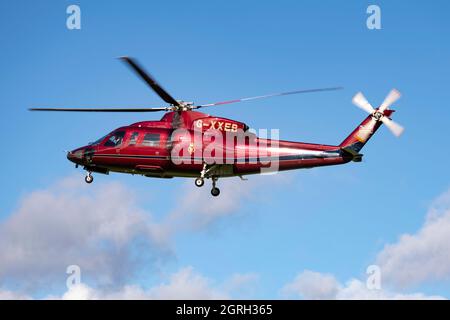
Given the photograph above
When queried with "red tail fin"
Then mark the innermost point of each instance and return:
(358, 138)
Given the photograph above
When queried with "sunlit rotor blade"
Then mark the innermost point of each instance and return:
(393, 96)
(150, 81)
(360, 101)
(101, 109)
(267, 96)
(395, 128)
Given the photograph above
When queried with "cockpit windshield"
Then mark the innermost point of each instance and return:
(98, 141)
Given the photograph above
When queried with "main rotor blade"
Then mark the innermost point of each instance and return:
(393, 96)
(360, 101)
(266, 96)
(101, 109)
(150, 81)
(395, 128)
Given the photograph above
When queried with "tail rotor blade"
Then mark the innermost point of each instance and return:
(393, 96)
(360, 101)
(395, 128)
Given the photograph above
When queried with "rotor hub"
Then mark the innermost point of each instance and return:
(183, 106)
(378, 115)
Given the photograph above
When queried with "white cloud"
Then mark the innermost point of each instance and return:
(315, 286)
(356, 289)
(12, 295)
(79, 292)
(184, 284)
(414, 259)
(422, 256)
(100, 229)
(242, 285)
(104, 231)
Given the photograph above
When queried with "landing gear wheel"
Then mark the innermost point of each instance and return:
(199, 182)
(89, 178)
(215, 191)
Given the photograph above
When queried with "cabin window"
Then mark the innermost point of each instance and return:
(151, 140)
(133, 138)
(115, 139)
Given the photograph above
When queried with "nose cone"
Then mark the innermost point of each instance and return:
(76, 156)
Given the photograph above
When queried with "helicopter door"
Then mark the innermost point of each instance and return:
(151, 151)
(129, 150)
(109, 151)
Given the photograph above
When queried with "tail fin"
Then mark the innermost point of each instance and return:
(358, 138)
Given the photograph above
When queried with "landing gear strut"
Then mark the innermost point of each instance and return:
(200, 181)
(89, 178)
(206, 173)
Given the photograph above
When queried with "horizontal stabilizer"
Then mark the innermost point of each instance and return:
(357, 157)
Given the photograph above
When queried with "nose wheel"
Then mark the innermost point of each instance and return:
(199, 182)
(89, 178)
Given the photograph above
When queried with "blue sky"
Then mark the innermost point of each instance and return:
(331, 220)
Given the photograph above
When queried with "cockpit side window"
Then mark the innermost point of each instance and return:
(151, 140)
(133, 138)
(115, 139)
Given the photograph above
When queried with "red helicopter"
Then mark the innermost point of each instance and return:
(187, 143)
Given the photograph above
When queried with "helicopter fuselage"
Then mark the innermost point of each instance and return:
(185, 143)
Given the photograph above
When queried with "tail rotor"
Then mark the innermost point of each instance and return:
(378, 114)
